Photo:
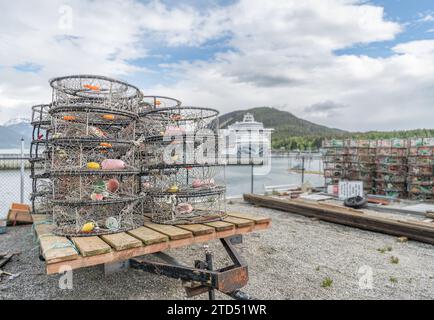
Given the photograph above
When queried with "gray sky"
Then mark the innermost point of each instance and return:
(355, 65)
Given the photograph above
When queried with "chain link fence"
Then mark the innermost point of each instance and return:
(16, 185)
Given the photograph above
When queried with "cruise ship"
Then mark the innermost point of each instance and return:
(248, 138)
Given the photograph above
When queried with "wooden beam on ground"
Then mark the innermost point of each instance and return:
(121, 241)
(420, 231)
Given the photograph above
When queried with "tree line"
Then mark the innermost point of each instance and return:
(281, 141)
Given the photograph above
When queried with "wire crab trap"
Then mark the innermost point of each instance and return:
(149, 103)
(85, 202)
(42, 192)
(190, 179)
(154, 102)
(105, 187)
(92, 155)
(41, 120)
(185, 195)
(92, 122)
(179, 156)
(92, 219)
(187, 207)
(97, 91)
(178, 121)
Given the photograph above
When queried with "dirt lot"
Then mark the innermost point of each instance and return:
(298, 258)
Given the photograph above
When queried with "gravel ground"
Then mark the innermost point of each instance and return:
(291, 260)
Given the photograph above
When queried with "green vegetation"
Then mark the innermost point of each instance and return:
(292, 133)
(383, 250)
(327, 282)
(393, 280)
(285, 141)
(394, 260)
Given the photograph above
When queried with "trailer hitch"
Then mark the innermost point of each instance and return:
(202, 277)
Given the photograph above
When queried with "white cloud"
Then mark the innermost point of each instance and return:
(427, 17)
(283, 55)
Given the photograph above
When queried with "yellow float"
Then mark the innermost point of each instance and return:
(173, 189)
(88, 227)
(93, 166)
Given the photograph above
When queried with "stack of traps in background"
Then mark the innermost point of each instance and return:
(399, 168)
(104, 156)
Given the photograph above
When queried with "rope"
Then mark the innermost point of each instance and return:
(59, 245)
(33, 229)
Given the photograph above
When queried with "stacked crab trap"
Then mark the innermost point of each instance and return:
(179, 153)
(420, 181)
(103, 157)
(93, 167)
(397, 168)
(391, 168)
(40, 153)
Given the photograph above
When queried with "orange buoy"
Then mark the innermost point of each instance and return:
(105, 145)
(108, 117)
(69, 118)
(91, 87)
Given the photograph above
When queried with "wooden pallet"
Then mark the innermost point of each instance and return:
(60, 252)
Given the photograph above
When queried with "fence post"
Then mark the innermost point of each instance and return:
(251, 177)
(302, 170)
(22, 172)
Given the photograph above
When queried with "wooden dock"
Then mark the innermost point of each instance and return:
(79, 252)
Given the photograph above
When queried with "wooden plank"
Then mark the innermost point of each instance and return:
(55, 249)
(44, 229)
(197, 229)
(115, 256)
(40, 217)
(423, 232)
(90, 246)
(220, 225)
(239, 222)
(20, 206)
(121, 241)
(19, 216)
(257, 219)
(174, 233)
(148, 236)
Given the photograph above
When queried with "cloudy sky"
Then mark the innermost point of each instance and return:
(355, 65)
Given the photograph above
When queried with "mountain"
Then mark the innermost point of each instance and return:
(12, 131)
(283, 122)
(292, 133)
